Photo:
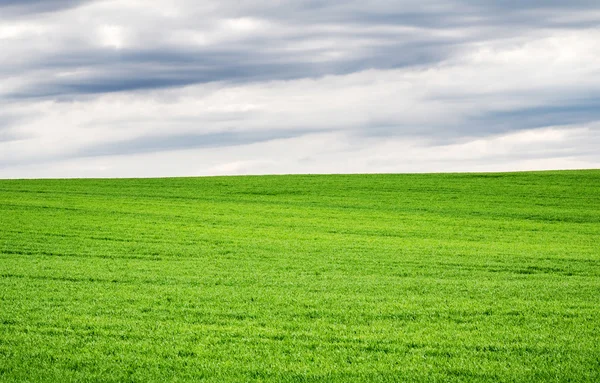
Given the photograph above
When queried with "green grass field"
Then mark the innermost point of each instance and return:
(383, 278)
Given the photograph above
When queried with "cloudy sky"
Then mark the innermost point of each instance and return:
(136, 88)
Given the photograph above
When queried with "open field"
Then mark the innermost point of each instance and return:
(455, 277)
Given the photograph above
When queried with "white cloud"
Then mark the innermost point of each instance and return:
(112, 36)
(337, 153)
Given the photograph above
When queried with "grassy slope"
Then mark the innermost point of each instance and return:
(480, 277)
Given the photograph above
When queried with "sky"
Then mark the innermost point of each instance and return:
(155, 88)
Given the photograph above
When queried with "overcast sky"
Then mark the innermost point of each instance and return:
(181, 87)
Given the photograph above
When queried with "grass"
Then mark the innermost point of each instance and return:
(417, 278)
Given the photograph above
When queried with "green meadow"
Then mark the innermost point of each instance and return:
(324, 278)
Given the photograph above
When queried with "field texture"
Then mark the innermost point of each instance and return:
(383, 278)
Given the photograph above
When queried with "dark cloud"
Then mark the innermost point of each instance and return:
(165, 68)
(267, 57)
(426, 14)
(527, 15)
(573, 113)
(569, 113)
(512, 5)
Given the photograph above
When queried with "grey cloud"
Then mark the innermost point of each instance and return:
(569, 113)
(158, 143)
(265, 57)
(426, 14)
(527, 15)
(28, 7)
(534, 4)
(8, 121)
(155, 69)
(7, 136)
(574, 113)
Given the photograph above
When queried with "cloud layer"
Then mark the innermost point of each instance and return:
(167, 88)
